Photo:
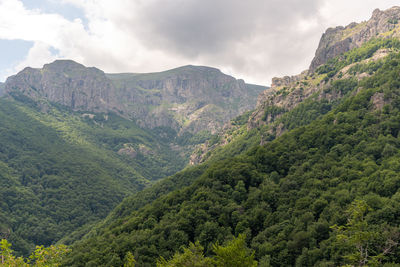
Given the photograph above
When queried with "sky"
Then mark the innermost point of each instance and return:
(254, 40)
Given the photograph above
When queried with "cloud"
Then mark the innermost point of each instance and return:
(38, 55)
(252, 39)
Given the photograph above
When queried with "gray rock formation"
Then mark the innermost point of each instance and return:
(68, 83)
(287, 92)
(186, 99)
(1, 88)
(336, 41)
(189, 98)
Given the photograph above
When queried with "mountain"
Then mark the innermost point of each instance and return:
(75, 141)
(336, 41)
(67, 83)
(189, 99)
(274, 105)
(310, 177)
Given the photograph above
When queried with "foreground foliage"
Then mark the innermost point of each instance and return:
(42, 257)
(235, 253)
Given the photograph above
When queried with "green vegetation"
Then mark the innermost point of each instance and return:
(60, 170)
(271, 112)
(235, 253)
(305, 113)
(366, 244)
(188, 138)
(42, 257)
(311, 197)
(333, 66)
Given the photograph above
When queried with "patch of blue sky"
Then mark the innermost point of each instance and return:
(54, 51)
(11, 53)
(66, 10)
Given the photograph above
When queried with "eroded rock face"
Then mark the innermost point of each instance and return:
(288, 91)
(336, 41)
(190, 98)
(186, 99)
(68, 83)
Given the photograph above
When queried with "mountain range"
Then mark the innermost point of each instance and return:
(73, 136)
(188, 99)
(304, 175)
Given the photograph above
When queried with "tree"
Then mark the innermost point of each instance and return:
(364, 240)
(41, 257)
(235, 253)
(129, 260)
(191, 257)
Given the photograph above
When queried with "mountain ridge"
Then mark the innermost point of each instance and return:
(341, 39)
(298, 176)
(289, 91)
(182, 99)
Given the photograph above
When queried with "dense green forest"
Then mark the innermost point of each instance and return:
(311, 197)
(61, 170)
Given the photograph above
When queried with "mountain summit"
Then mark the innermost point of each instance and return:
(185, 99)
(335, 41)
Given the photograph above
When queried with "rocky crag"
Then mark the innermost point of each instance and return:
(67, 83)
(189, 98)
(317, 84)
(336, 41)
(186, 99)
(287, 92)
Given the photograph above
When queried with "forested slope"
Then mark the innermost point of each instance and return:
(61, 170)
(288, 194)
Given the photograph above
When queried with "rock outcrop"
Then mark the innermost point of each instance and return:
(336, 41)
(68, 83)
(186, 99)
(189, 98)
(289, 91)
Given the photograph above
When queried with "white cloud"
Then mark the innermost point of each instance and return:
(37, 56)
(255, 40)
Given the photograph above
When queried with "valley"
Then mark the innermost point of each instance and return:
(193, 167)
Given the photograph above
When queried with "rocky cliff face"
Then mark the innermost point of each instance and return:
(336, 41)
(190, 98)
(287, 92)
(186, 99)
(68, 83)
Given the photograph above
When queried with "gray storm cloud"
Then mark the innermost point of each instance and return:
(250, 39)
(195, 27)
(245, 36)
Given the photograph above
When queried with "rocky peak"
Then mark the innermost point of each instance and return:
(336, 41)
(287, 92)
(65, 82)
(189, 98)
